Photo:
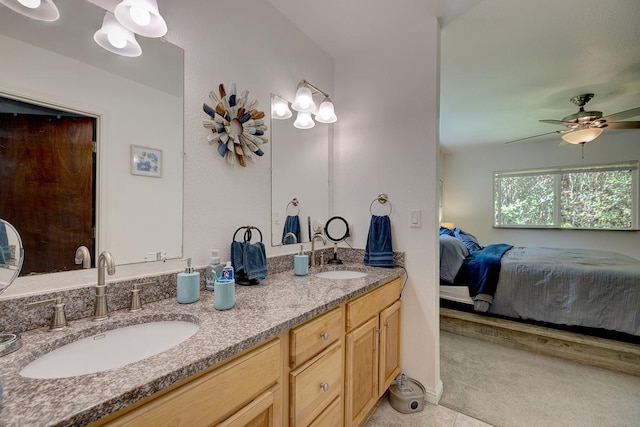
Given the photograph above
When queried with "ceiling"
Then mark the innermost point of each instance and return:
(505, 64)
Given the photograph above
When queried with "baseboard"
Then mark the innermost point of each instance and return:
(593, 351)
(433, 396)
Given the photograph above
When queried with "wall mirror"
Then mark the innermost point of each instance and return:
(11, 254)
(299, 170)
(136, 101)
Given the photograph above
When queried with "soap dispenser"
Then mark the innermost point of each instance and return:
(301, 263)
(213, 270)
(188, 285)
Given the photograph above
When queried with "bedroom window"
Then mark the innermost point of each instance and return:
(600, 197)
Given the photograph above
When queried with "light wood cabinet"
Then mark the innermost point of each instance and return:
(372, 349)
(242, 392)
(316, 378)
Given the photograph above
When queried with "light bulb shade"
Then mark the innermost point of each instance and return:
(116, 39)
(582, 136)
(304, 120)
(46, 10)
(326, 113)
(304, 100)
(280, 108)
(133, 14)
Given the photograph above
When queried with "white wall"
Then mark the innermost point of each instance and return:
(386, 141)
(468, 189)
(249, 43)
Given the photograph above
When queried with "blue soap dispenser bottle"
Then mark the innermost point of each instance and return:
(188, 284)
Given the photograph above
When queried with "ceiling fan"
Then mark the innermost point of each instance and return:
(585, 126)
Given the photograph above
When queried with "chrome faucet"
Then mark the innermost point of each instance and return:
(312, 261)
(83, 257)
(105, 260)
(289, 234)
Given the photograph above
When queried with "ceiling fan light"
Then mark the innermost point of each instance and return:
(304, 120)
(142, 17)
(116, 39)
(41, 10)
(326, 113)
(582, 136)
(304, 100)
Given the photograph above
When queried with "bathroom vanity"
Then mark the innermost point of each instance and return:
(293, 351)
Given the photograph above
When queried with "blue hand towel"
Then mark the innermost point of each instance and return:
(255, 260)
(291, 225)
(379, 251)
(237, 257)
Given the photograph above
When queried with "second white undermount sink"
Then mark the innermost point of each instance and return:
(341, 274)
(111, 349)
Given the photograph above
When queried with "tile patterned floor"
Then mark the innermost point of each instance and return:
(431, 416)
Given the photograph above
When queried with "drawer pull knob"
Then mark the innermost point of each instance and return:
(324, 387)
(325, 335)
(387, 324)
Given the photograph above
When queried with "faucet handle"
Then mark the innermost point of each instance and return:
(136, 304)
(58, 318)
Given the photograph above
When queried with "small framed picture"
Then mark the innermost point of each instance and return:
(146, 161)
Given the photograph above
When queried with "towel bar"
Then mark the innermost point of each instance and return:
(381, 199)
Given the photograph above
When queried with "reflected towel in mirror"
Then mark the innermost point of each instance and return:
(291, 225)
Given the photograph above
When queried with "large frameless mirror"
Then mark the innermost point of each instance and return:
(300, 173)
(135, 102)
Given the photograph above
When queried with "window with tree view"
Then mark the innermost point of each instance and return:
(585, 197)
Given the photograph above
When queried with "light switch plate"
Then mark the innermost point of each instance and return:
(416, 220)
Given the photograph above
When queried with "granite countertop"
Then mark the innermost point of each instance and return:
(278, 303)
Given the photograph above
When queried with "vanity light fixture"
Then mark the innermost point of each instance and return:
(42, 10)
(280, 108)
(582, 136)
(305, 106)
(141, 17)
(115, 38)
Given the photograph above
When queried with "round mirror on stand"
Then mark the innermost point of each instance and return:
(336, 230)
(11, 258)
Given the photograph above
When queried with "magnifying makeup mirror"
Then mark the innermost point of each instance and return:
(336, 229)
(11, 259)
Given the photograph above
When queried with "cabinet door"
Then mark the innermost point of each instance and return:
(361, 392)
(389, 346)
(263, 411)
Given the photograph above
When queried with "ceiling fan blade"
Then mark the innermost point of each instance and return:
(531, 137)
(623, 115)
(622, 125)
(557, 122)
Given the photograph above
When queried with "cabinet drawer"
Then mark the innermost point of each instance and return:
(315, 385)
(330, 417)
(213, 396)
(363, 308)
(314, 336)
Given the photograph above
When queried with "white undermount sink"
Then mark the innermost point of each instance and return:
(111, 349)
(341, 274)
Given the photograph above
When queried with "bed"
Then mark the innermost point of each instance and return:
(572, 287)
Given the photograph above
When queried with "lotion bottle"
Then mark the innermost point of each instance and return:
(188, 284)
(213, 270)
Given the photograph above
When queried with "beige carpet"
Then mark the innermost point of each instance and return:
(507, 387)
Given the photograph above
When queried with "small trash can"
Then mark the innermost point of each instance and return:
(406, 395)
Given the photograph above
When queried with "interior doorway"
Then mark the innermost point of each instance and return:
(48, 183)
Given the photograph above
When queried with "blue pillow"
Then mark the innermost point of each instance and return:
(468, 239)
